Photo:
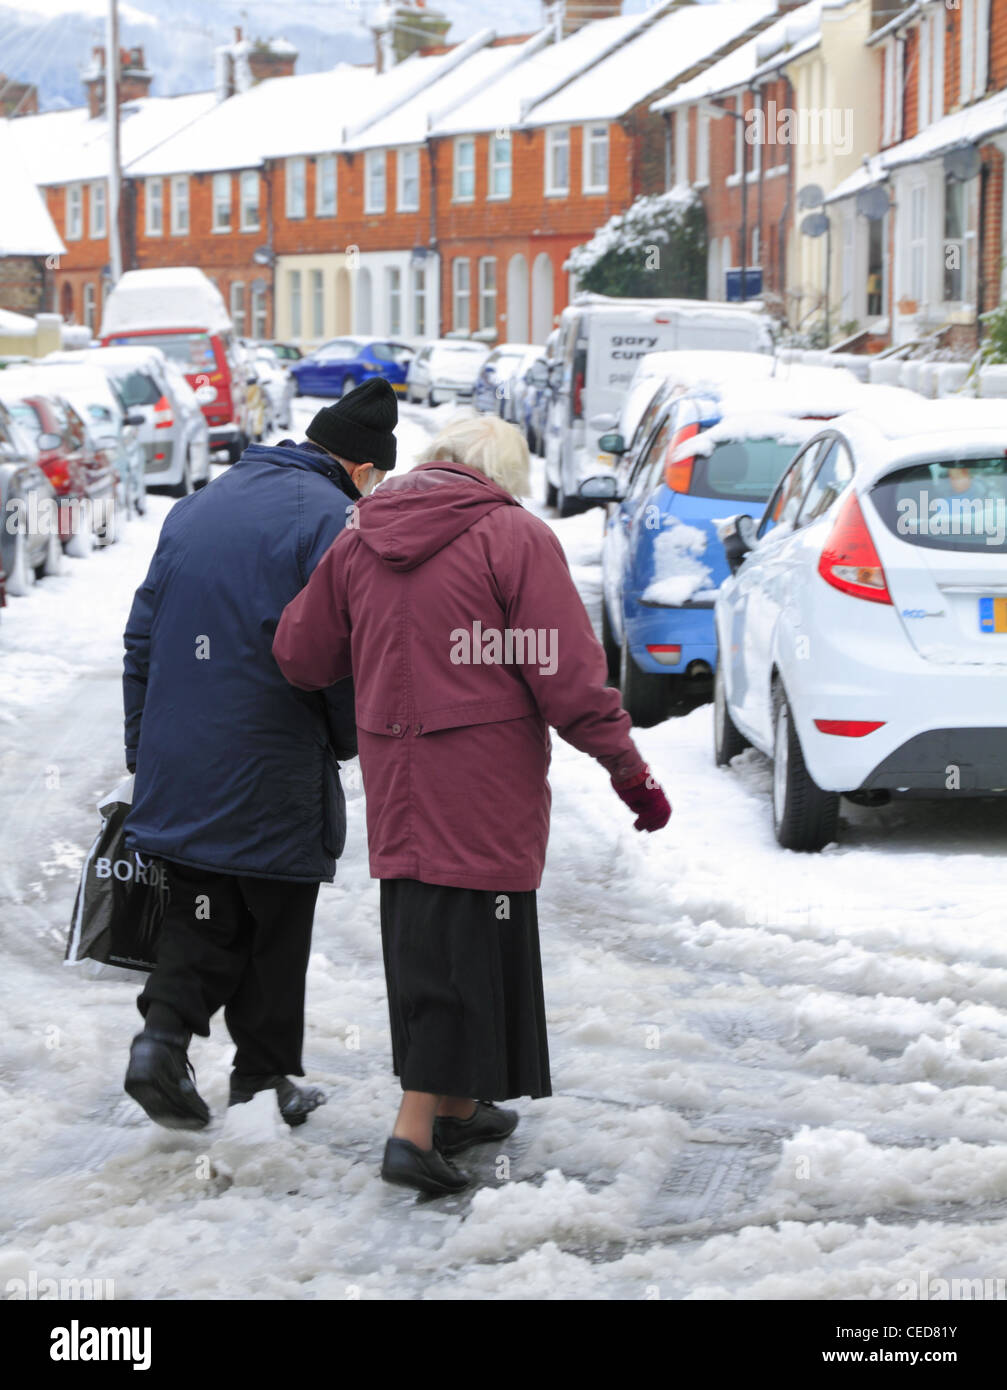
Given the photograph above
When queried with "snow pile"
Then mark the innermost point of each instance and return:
(650, 221)
(679, 574)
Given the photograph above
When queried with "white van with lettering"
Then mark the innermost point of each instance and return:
(601, 342)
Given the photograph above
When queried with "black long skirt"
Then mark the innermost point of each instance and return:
(465, 997)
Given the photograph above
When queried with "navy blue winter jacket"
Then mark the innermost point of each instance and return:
(237, 771)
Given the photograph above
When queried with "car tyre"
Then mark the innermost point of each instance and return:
(81, 542)
(53, 562)
(21, 576)
(646, 697)
(728, 741)
(185, 485)
(609, 644)
(805, 817)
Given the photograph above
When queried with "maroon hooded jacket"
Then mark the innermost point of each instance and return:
(454, 610)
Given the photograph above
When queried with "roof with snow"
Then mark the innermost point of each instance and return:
(794, 33)
(26, 229)
(665, 45)
(67, 146)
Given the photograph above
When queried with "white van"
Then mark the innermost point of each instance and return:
(601, 343)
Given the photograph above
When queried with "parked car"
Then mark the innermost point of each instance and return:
(286, 352)
(78, 475)
(278, 386)
(180, 311)
(863, 631)
(344, 363)
(494, 388)
(698, 455)
(29, 535)
(601, 342)
(112, 426)
(174, 437)
(445, 370)
(530, 398)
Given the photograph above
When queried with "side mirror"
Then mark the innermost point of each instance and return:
(48, 441)
(739, 538)
(605, 421)
(135, 419)
(601, 488)
(251, 380)
(612, 443)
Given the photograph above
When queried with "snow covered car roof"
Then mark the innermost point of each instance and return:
(887, 432)
(171, 297)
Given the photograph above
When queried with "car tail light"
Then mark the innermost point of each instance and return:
(849, 560)
(665, 654)
(163, 417)
(578, 395)
(678, 461)
(58, 474)
(848, 728)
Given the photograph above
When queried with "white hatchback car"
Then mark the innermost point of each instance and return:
(862, 635)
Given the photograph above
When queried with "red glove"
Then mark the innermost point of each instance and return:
(644, 796)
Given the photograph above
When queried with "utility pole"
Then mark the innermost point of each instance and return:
(115, 161)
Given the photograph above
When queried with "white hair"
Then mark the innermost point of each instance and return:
(487, 443)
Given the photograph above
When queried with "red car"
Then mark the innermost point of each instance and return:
(76, 470)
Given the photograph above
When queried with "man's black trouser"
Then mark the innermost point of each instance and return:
(242, 943)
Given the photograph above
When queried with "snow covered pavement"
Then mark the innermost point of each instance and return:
(776, 1076)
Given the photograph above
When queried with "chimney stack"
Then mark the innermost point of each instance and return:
(134, 79)
(577, 13)
(272, 58)
(404, 28)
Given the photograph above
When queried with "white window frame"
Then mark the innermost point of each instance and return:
(888, 94)
(237, 305)
(326, 162)
(149, 202)
(90, 306)
(923, 65)
(497, 141)
(376, 172)
(937, 64)
(419, 295)
(488, 292)
(457, 196)
(220, 183)
(98, 199)
(702, 149)
(179, 181)
(295, 286)
(917, 245)
(405, 157)
(681, 170)
(460, 293)
(259, 313)
(594, 134)
(74, 211)
(393, 295)
(557, 138)
(295, 178)
(316, 293)
(246, 179)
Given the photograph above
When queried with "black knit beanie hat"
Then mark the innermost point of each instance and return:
(360, 426)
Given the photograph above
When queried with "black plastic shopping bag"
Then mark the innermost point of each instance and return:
(122, 896)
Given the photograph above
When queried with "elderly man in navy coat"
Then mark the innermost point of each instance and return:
(237, 773)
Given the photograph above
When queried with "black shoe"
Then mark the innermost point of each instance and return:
(483, 1126)
(425, 1169)
(160, 1078)
(296, 1102)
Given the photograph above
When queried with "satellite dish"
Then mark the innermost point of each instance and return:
(815, 224)
(962, 162)
(873, 202)
(810, 196)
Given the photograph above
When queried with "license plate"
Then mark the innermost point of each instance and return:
(993, 615)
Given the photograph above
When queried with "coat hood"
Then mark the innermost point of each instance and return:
(413, 517)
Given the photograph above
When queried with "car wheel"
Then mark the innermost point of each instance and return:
(567, 505)
(109, 532)
(804, 816)
(21, 576)
(81, 543)
(609, 644)
(727, 741)
(234, 451)
(646, 697)
(184, 485)
(53, 562)
(346, 386)
(551, 493)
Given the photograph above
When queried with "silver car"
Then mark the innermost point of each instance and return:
(174, 436)
(112, 428)
(29, 535)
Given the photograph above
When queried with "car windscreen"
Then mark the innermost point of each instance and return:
(26, 416)
(951, 504)
(138, 388)
(192, 351)
(741, 470)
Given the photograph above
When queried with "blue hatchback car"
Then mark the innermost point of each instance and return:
(344, 363)
(694, 460)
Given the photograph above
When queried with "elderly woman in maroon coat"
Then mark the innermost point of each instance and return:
(454, 609)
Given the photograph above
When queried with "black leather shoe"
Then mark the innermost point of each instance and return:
(425, 1169)
(485, 1125)
(160, 1078)
(296, 1102)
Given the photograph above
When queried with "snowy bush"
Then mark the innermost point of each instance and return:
(656, 249)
